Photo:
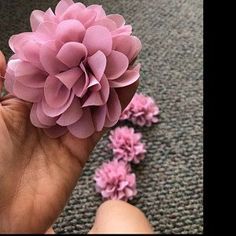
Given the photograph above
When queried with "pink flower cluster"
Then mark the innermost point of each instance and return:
(127, 145)
(70, 67)
(114, 180)
(141, 111)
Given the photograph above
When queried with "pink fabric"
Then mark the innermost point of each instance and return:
(127, 145)
(141, 111)
(115, 181)
(70, 66)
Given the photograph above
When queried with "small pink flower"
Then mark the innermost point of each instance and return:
(141, 111)
(70, 67)
(114, 180)
(127, 145)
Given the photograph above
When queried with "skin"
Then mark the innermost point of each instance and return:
(37, 173)
(118, 217)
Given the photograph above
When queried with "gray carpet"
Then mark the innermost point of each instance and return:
(170, 179)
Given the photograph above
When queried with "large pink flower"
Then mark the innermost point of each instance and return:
(70, 66)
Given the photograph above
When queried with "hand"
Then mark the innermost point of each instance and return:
(37, 173)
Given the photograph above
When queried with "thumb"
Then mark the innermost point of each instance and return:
(2, 64)
(2, 69)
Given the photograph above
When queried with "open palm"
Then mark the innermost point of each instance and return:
(37, 173)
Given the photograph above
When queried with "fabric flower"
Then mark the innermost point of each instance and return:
(141, 111)
(127, 145)
(70, 67)
(115, 181)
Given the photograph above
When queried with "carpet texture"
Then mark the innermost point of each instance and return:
(170, 179)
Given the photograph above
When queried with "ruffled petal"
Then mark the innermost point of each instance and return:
(26, 93)
(105, 89)
(16, 41)
(85, 16)
(30, 76)
(97, 63)
(113, 109)
(36, 18)
(70, 31)
(94, 99)
(98, 38)
(124, 30)
(62, 6)
(72, 11)
(10, 73)
(30, 53)
(99, 117)
(69, 77)
(99, 11)
(34, 118)
(48, 29)
(49, 16)
(128, 45)
(72, 114)
(118, 19)
(81, 86)
(49, 60)
(94, 84)
(53, 112)
(72, 53)
(56, 94)
(84, 127)
(117, 64)
(128, 78)
(43, 118)
(105, 22)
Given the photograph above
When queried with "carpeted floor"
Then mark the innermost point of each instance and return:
(170, 179)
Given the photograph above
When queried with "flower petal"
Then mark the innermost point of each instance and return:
(113, 109)
(79, 12)
(105, 89)
(84, 127)
(98, 38)
(124, 30)
(97, 63)
(72, 11)
(49, 60)
(128, 45)
(36, 18)
(81, 86)
(99, 116)
(48, 29)
(94, 99)
(29, 75)
(109, 24)
(69, 77)
(70, 30)
(34, 118)
(118, 19)
(99, 11)
(72, 114)
(26, 93)
(43, 118)
(128, 78)
(72, 53)
(30, 53)
(117, 64)
(56, 94)
(62, 6)
(52, 112)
